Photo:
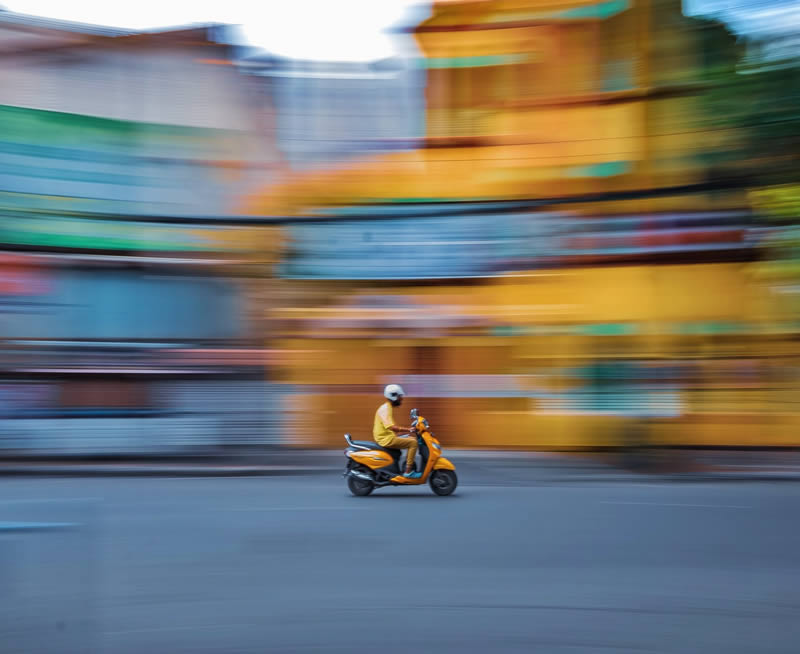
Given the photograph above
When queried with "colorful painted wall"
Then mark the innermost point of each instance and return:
(553, 360)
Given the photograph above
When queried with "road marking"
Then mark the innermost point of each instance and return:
(698, 506)
(651, 484)
(194, 627)
(47, 500)
(298, 508)
(31, 526)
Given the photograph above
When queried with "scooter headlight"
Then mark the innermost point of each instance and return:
(436, 446)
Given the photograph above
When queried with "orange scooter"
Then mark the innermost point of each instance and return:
(370, 466)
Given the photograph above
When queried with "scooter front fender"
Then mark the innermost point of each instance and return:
(443, 464)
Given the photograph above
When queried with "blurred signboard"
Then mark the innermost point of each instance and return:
(19, 276)
(70, 162)
(416, 247)
(469, 243)
(126, 304)
(101, 233)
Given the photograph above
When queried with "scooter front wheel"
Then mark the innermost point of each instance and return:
(443, 482)
(359, 487)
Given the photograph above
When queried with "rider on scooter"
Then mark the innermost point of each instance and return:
(387, 433)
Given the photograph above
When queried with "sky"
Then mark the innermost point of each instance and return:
(337, 30)
(754, 17)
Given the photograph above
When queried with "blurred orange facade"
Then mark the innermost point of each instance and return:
(588, 115)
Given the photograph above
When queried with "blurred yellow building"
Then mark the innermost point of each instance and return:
(547, 100)
(593, 269)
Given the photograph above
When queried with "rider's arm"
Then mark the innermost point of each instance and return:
(401, 430)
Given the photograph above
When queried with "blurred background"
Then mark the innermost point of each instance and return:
(570, 229)
(559, 224)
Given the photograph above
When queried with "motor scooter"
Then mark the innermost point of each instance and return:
(371, 466)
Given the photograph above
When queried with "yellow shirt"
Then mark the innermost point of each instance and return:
(383, 420)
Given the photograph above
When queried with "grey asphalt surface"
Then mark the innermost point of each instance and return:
(295, 564)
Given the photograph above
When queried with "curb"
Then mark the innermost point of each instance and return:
(706, 479)
(734, 476)
(674, 478)
(160, 471)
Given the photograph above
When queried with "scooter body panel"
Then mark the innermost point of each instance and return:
(374, 459)
(434, 456)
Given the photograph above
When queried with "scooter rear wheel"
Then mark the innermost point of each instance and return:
(443, 482)
(360, 487)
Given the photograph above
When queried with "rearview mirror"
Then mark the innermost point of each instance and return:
(414, 414)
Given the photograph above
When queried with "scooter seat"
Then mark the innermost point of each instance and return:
(374, 446)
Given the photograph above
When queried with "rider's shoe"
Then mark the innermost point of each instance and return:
(412, 475)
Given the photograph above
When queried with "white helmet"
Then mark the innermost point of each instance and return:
(393, 391)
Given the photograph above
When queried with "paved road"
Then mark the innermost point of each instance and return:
(294, 564)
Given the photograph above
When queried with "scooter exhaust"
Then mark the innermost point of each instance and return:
(361, 475)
